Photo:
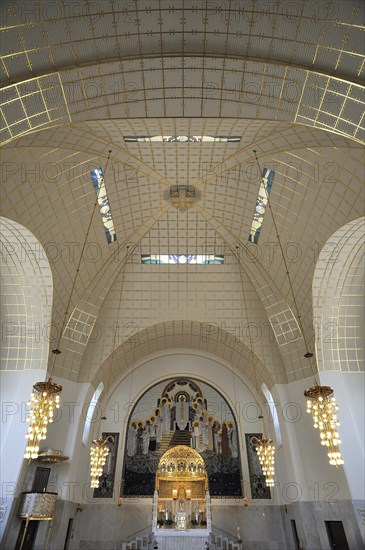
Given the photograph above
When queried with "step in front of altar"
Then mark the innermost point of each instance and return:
(181, 542)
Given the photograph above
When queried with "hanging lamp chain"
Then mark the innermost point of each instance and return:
(99, 448)
(252, 353)
(57, 350)
(321, 402)
(308, 354)
(264, 447)
(45, 397)
(115, 340)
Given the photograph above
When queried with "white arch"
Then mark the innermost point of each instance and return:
(26, 299)
(26, 307)
(338, 300)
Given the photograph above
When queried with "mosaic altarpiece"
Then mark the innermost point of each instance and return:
(181, 412)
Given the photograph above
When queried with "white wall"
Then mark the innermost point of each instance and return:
(65, 434)
(307, 470)
(15, 388)
(349, 392)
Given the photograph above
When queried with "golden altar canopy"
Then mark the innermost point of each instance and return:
(181, 462)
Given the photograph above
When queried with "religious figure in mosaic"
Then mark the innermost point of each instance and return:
(146, 438)
(182, 413)
(132, 439)
(166, 415)
(225, 440)
(232, 438)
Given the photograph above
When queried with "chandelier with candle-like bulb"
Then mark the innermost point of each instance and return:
(321, 403)
(43, 401)
(98, 452)
(266, 455)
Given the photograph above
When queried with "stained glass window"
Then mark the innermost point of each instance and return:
(183, 139)
(182, 259)
(104, 206)
(261, 203)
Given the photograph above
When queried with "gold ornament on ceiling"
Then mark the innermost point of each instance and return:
(182, 197)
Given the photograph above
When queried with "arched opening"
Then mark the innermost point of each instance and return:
(338, 296)
(181, 500)
(338, 315)
(182, 412)
(26, 287)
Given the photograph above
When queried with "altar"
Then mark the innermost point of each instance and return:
(181, 524)
(181, 501)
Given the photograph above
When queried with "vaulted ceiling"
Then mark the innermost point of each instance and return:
(287, 77)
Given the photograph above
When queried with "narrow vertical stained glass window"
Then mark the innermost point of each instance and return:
(104, 206)
(261, 203)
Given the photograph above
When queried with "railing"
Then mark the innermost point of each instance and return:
(190, 524)
(209, 511)
(37, 505)
(226, 534)
(136, 534)
(138, 543)
(154, 512)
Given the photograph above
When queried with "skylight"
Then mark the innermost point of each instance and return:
(182, 259)
(261, 203)
(183, 139)
(104, 206)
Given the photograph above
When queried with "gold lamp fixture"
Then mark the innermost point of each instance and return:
(266, 455)
(321, 402)
(98, 453)
(43, 401)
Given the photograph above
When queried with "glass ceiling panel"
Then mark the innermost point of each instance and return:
(182, 259)
(183, 139)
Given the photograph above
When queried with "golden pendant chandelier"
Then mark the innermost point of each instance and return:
(98, 453)
(266, 455)
(43, 401)
(322, 404)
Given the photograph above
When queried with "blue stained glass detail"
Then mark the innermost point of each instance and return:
(261, 203)
(104, 206)
(200, 259)
(183, 139)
